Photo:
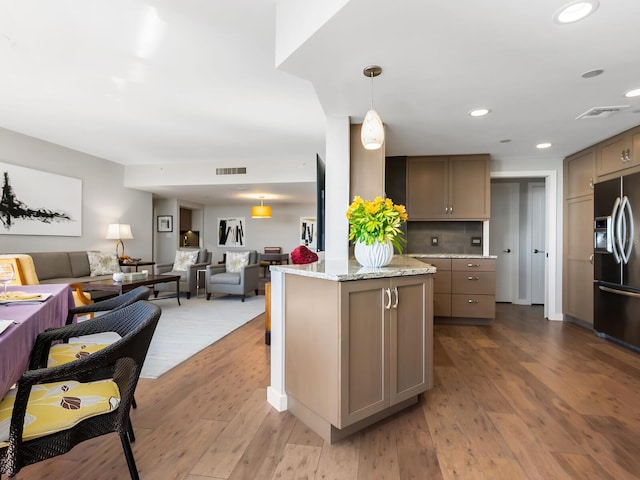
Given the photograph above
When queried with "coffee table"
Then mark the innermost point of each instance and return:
(126, 285)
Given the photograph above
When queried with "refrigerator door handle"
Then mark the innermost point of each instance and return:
(614, 222)
(619, 292)
(626, 209)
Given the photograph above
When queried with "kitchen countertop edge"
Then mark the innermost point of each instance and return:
(349, 270)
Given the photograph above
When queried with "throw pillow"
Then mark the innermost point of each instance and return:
(236, 261)
(103, 263)
(301, 255)
(184, 259)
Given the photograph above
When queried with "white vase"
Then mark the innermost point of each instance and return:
(374, 255)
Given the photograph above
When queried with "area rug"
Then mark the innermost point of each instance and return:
(185, 330)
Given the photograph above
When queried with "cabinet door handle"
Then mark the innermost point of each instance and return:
(388, 292)
(591, 183)
(622, 156)
(395, 290)
(474, 301)
(474, 278)
(473, 265)
(591, 259)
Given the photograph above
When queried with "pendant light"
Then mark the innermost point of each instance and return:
(372, 133)
(261, 211)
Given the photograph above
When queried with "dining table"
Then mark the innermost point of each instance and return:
(28, 319)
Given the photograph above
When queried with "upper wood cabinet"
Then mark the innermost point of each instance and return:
(580, 173)
(618, 153)
(448, 188)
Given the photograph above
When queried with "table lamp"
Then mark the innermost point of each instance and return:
(119, 231)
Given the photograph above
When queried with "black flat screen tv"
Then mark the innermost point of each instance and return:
(320, 197)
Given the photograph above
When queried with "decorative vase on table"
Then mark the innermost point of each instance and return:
(375, 255)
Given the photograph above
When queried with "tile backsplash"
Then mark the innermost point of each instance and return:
(452, 237)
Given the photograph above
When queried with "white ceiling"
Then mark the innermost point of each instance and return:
(201, 84)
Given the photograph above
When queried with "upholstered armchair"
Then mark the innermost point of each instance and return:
(238, 276)
(186, 264)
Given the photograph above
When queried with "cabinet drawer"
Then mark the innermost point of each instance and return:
(474, 264)
(480, 283)
(439, 263)
(441, 304)
(473, 306)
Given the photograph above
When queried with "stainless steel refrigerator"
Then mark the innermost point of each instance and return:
(617, 259)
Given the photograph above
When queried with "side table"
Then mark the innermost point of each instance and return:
(124, 263)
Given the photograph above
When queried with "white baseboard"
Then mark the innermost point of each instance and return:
(276, 399)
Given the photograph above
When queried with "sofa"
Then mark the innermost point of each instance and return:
(188, 275)
(59, 267)
(224, 279)
(71, 268)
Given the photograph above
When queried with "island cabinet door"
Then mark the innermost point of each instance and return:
(410, 339)
(364, 349)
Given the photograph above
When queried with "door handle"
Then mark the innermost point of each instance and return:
(508, 250)
(535, 250)
(388, 292)
(591, 259)
(395, 290)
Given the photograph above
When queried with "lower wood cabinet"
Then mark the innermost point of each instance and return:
(356, 349)
(464, 288)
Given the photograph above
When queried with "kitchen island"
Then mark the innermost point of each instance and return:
(350, 345)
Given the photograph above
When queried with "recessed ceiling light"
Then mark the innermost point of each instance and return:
(544, 145)
(575, 11)
(592, 73)
(633, 93)
(479, 112)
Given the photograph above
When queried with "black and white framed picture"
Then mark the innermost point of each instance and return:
(308, 232)
(165, 223)
(231, 232)
(39, 203)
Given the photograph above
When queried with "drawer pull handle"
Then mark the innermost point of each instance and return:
(474, 301)
(473, 265)
(474, 278)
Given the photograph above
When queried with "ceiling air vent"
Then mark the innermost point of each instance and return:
(601, 112)
(231, 171)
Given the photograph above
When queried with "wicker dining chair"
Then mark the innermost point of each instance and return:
(121, 363)
(132, 296)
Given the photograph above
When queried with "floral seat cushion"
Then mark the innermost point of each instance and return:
(68, 352)
(58, 406)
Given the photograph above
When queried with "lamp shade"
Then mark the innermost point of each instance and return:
(372, 133)
(119, 231)
(260, 211)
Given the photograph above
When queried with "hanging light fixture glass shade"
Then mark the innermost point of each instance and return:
(261, 211)
(372, 132)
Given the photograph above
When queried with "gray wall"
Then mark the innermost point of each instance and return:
(104, 199)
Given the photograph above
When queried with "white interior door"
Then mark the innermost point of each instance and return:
(538, 249)
(503, 238)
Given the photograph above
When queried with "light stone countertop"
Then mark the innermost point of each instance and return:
(347, 270)
(450, 255)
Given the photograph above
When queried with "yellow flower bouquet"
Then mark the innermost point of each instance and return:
(378, 220)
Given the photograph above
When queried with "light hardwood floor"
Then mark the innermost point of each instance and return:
(522, 399)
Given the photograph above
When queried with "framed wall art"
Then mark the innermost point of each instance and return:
(231, 232)
(308, 232)
(165, 223)
(39, 203)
